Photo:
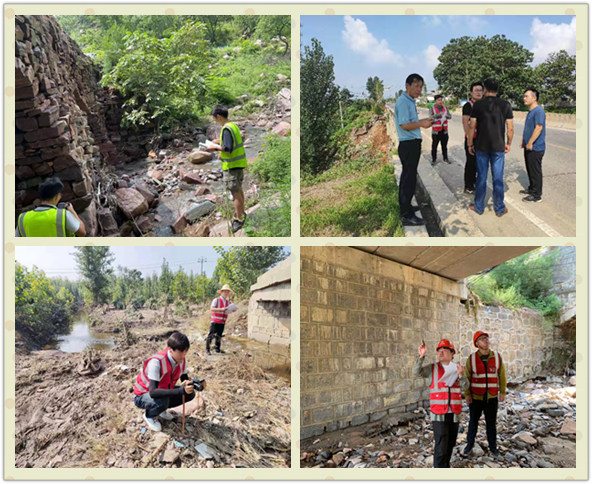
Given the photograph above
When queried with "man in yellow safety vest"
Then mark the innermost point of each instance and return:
(51, 218)
(234, 161)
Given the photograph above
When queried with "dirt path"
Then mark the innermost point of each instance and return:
(64, 419)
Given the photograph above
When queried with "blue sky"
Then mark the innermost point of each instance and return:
(59, 261)
(393, 46)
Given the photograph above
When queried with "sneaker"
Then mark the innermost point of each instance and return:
(434, 162)
(494, 452)
(532, 198)
(208, 352)
(446, 160)
(166, 415)
(238, 224)
(413, 220)
(503, 213)
(152, 424)
(218, 350)
(467, 450)
(524, 192)
(470, 191)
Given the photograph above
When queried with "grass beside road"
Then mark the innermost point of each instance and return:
(352, 199)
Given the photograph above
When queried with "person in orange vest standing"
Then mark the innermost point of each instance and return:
(448, 381)
(156, 388)
(441, 116)
(219, 310)
(487, 385)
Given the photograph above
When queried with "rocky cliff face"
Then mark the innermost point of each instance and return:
(63, 118)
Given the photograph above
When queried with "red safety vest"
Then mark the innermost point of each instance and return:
(440, 123)
(220, 318)
(168, 377)
(480, 378)
(442, 397)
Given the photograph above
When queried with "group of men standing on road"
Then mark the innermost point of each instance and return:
(482, 381)
(489, 130)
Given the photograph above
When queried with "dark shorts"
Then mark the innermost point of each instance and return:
(234, 179)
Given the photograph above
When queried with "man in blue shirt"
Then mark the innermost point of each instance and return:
(533, 142)
(409, 133)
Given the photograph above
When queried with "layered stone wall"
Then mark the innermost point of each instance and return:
(270, 306)
(362, 320)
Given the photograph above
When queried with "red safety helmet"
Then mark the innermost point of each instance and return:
(445, 343)
(477, 335)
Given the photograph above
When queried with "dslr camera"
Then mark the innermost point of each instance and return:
(197, 384)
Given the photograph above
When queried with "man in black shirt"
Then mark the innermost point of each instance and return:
(471, 164)
(490, 117)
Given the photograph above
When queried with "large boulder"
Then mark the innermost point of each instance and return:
(198, 157)
(147, 192)
(89, 217)
(131, 202)
(284, 98)
(108, 223)
(199, 210)
(192, 178)
(282, 128)
(213, 132)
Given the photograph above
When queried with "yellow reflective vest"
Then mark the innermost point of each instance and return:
(44, 223)
(237, 158)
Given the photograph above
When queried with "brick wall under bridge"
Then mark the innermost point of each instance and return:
(362, 319)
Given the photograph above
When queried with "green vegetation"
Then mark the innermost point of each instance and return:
(272, 169)
(466, 59)
(524, 281)
(94, 264)
(42, 311)
(172, 69)
(365, 206)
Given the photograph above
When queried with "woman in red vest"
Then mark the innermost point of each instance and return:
(447, 384)
(155, 389)
(219, 310)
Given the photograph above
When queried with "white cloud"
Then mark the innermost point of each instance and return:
(359, 39)
(548, 37)
(431, 55)
(431, 20)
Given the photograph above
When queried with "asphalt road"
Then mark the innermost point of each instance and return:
(555, 216)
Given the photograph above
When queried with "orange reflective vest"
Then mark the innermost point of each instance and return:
(444, 399)
(440, 122)
(482, 378)
(220, 318)
(168, 376)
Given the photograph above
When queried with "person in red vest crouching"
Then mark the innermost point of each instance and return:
(219, 309)
(448, 381)
(487, 385)
(155, 389)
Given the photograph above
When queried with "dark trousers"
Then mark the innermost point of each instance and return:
(439, 137)
(470, 169)
(155, 406)
(215, 333)
(534, 168)
(409, 153)
(489, 408)
(445, 439)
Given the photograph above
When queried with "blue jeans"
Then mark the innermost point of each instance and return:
(484, 160)
(155, 406)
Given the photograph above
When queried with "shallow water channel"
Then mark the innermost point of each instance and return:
(82, 335)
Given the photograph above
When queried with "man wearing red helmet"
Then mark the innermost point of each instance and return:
(446, 387)
(487, 385)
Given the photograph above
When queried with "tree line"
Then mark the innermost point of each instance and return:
(172, 68)
(44, 306)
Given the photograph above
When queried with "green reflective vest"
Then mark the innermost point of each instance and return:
(45, 223)
(237, 158)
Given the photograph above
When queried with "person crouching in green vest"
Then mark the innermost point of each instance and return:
(51, 218)
(234, 162)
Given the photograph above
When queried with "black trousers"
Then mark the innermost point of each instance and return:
(445, 439)
(489, 408)
(534, 168)
(470, 169)
(439, 137)
(215, 333)
(409, 153)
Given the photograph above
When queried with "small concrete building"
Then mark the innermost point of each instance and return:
(270, 306)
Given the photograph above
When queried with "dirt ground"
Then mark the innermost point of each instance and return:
(77, 410)
(536, 428)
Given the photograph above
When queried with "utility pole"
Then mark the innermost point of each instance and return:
(201, 260)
